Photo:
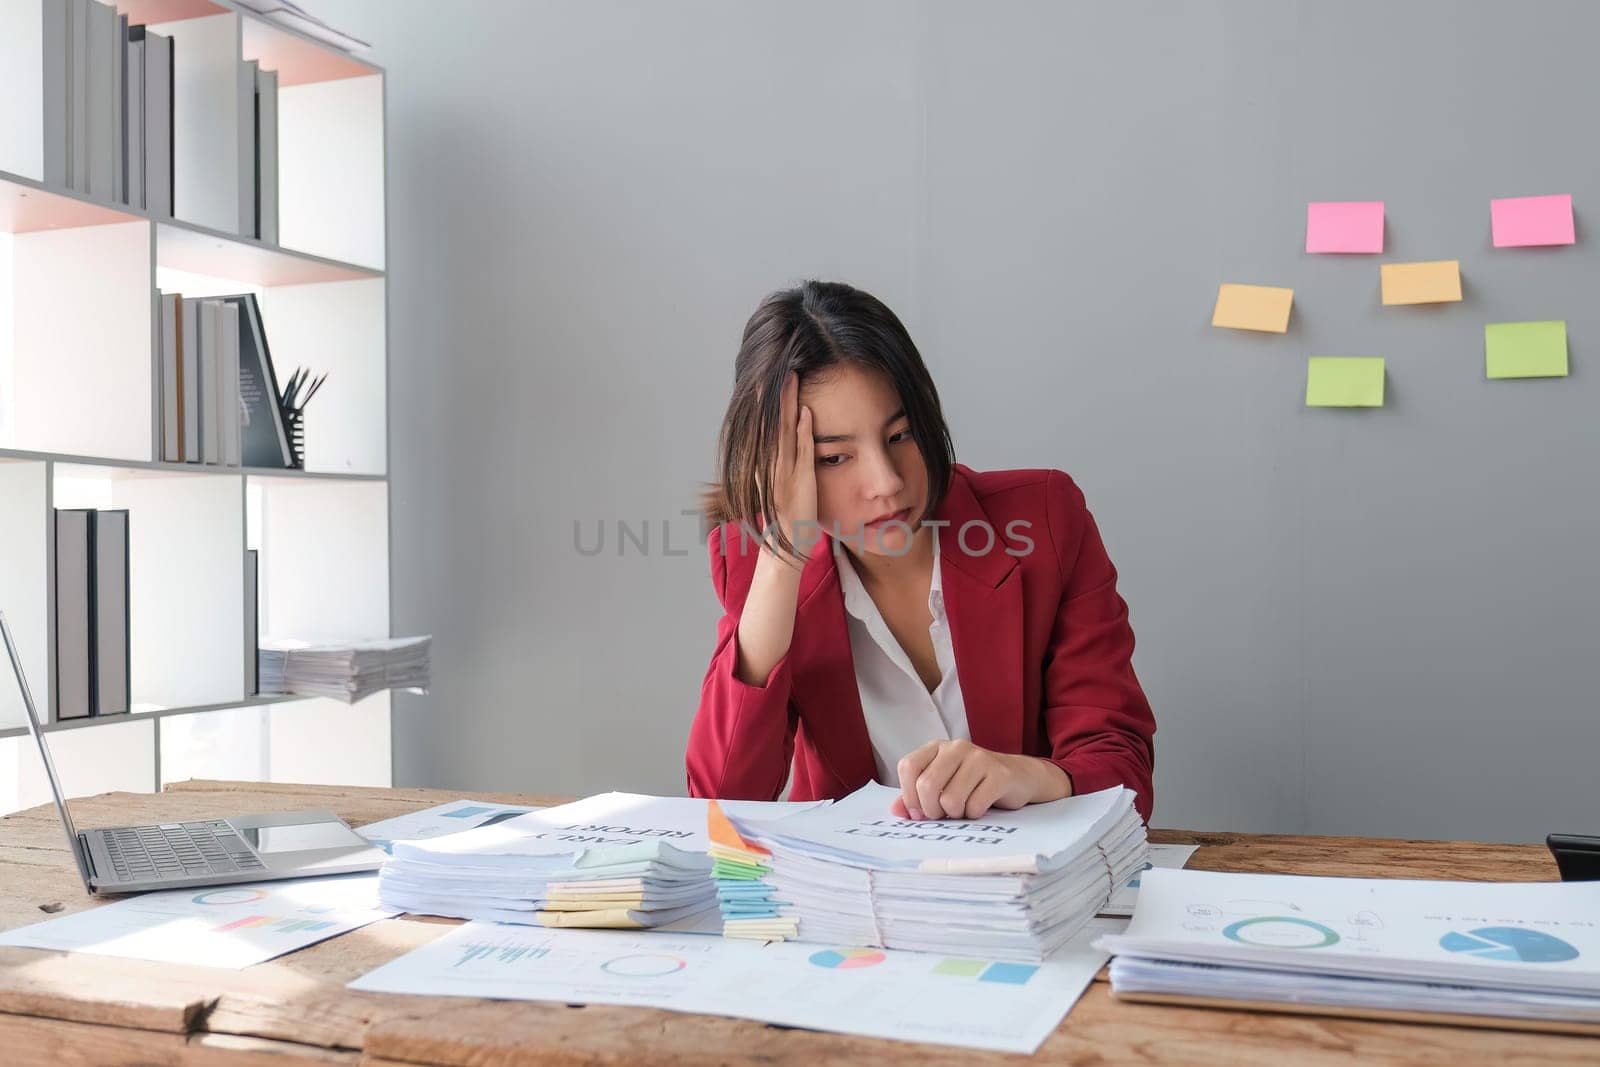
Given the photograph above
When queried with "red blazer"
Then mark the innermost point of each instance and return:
(1042, 647)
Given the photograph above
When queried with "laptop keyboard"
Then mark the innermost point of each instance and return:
(177, 850)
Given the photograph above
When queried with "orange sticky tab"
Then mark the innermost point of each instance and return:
(722, 832)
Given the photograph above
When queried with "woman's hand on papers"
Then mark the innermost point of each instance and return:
(959, 780)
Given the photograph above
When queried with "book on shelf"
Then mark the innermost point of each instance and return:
(264, 438)
(74, 636)
(111, 652)
(252, 620)
(158, 122)
(108, 105)
(245, 100)
(266, 127)
(214, 368)
(189, 376)
(228, 400)
(92, 613)
(134, 84)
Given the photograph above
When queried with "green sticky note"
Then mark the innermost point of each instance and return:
(1344, 382)
(961, 968)
(1525, 349)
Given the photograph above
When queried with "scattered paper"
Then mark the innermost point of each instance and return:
(1437, 282)
(451, 818)
(908, 996)
(1253, 307)
(1165, 856)
(1344, 226)
(230, 926)
(1344, 382)
(1525, 349)
(1522, 221)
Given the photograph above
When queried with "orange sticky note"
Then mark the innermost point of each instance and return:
(722, 832)
(1253, 307)
(1436, 282)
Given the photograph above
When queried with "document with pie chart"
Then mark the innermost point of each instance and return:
(1530, 949)
(231, 926)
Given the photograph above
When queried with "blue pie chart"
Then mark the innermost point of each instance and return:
(1511, 944)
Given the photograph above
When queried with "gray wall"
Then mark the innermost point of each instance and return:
(1374, 622)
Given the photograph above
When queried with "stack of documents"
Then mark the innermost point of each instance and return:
(1521, 950)
(616, 860)
(348, 672)
(1013, 885)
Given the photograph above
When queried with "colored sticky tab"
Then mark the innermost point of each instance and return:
(722, 832)
(1345, 226)
(1437, 282)
(1253, 307)
(1525, 349)
(1524, 221)
(1344, 382)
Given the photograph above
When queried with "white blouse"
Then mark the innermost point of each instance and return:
(901, 714)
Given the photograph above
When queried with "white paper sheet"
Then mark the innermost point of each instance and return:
(910, 996)
(451, 818)
(1166, 856)
(230, 926)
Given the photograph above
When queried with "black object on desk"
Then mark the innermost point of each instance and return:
(1577, 856)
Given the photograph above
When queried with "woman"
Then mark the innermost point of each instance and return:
(895, 615)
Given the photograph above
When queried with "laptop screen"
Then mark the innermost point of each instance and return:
(44, 751)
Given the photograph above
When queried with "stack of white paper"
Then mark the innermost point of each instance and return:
(1014, 884)
(348, 672)
(613, 860)
(1522, 950)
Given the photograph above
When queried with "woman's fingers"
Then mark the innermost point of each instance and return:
(933, 779)
(983, 797)
(954, 797)
(910, 768)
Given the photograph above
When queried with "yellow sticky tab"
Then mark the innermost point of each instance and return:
(1344, 382)
(1253, 307)
(1437, 282)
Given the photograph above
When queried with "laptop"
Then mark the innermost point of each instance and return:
(241, 848)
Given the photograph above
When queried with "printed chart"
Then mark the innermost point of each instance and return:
(232, 927)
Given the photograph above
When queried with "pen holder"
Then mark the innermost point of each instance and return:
(294, 424)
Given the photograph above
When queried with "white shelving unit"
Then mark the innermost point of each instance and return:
(78, 398)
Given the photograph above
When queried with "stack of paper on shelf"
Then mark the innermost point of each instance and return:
(1013, 884)
(347, 672)
(613, 860)
(1528, 951)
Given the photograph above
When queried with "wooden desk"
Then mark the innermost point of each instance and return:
(67, 1011)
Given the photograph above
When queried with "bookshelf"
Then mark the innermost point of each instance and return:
(80, 397)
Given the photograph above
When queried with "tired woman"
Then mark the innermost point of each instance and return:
(888, 613)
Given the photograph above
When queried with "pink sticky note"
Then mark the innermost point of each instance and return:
(1520, 221)
(1345, 226)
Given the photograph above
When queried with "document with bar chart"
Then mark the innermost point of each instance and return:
(229, 926)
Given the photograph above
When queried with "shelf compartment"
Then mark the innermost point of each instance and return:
(25, 584)
(186, 578)
(324, 565)
(117, 755)
(75, 337)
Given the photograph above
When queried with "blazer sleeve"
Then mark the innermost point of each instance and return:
(1098, 720)
(742, 739)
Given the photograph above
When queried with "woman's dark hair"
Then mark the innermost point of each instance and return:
(806, 331)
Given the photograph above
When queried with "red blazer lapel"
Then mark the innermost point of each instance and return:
(983, 600)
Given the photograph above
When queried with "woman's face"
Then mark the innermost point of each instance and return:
(869, 469)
